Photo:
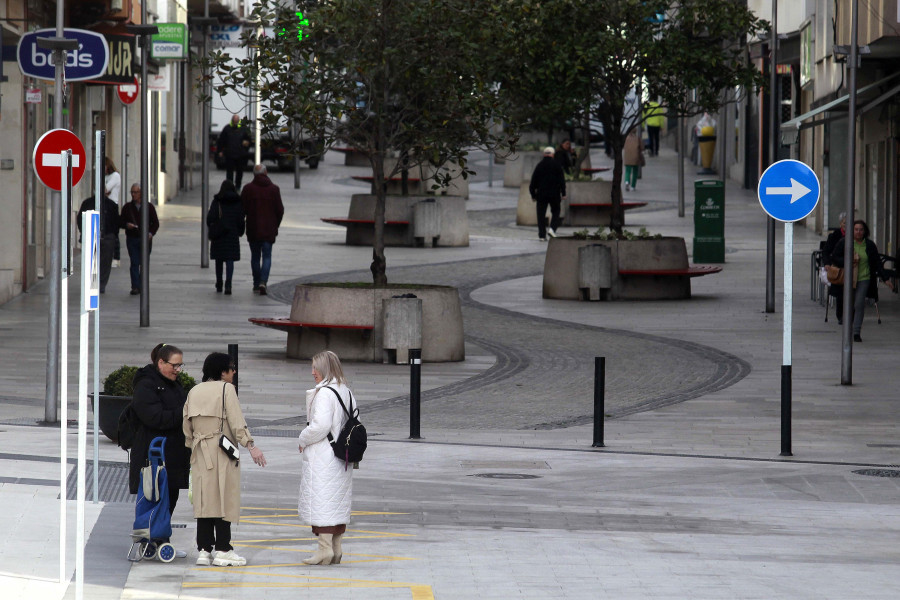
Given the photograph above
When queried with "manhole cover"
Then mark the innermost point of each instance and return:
(504, 464)
(879, 472)
(506, 476)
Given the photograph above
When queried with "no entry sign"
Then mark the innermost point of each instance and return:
(47, 161)
(128, 93)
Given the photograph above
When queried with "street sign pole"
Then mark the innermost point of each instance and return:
(99, 200)
(788, 191)
(66, 173)
(847, 329)
(786, 340)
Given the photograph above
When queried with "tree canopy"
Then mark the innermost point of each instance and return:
(390, 78)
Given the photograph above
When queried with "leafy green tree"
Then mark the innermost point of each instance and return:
(684, 52)
(392, 78)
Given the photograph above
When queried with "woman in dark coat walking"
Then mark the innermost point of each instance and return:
(867, 270)
(225, 221)
(159, 403)
(837, 291)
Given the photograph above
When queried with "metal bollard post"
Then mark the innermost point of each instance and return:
(599, 399)
(415, 393)
(233, 353)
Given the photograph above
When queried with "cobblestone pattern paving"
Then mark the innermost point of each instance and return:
(548, 363)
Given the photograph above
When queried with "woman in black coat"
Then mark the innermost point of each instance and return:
(159, 404)
(837, 291)
(867, 270)
(225, 221)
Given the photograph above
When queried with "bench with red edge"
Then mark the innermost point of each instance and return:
(366, 222)
(371, 178)
(693, 271)
(285, 324)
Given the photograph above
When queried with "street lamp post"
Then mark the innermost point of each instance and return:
(144, 31)
(205, 21)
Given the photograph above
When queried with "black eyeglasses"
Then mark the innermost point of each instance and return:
(176, 366)
(232, 367)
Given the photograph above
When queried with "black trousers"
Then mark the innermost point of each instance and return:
(542, 204)
(653, 133)
(235, 167)
(213, 532)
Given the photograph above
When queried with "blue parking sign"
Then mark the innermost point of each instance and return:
(788, 190)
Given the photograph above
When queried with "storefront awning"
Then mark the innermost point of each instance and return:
(790, 129)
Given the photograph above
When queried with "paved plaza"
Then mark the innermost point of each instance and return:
(504, 497)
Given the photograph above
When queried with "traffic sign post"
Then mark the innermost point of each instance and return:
(127, 94)
(788, 191)
(47, 162)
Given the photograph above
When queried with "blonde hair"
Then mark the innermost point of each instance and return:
(329, 367)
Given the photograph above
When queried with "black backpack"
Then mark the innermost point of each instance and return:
(128, 427)
(352, 440)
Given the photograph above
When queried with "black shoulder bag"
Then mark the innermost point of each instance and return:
(227, 446)
(352, 440)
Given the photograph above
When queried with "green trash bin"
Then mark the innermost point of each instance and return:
(709, 221)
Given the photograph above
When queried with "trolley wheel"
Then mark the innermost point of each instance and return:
(166, 552)
(148, 550)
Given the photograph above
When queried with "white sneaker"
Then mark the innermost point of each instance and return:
(180, 554)
(204, 558)
(627, 187)
(229, 559)
(115, 264)
(551, 232)
(542, 239)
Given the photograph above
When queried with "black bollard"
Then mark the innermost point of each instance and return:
(415, 393)
(599, 399)
(233, 353)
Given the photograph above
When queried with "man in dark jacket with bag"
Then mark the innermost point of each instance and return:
(548, 187)
(262, 205)
(233, 145)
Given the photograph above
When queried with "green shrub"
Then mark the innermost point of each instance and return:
(120, 382)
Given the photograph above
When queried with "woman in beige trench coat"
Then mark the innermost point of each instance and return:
(215, 477)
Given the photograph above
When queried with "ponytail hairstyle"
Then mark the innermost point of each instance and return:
(329, 367)
(163, 352)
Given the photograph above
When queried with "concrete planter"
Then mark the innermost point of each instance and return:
(363, 305)
(519, 166)
(526, 209)
(561, 269)
(454, 222)
(111, 408)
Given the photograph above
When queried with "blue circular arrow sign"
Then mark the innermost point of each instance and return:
(788, 191)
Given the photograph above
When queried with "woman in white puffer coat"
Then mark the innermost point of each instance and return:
(326, 482)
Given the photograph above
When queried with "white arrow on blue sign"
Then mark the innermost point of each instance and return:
(788, 190)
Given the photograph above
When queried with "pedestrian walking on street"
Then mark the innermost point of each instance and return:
(326, 484)
(565, 156)
(232, 145)
(633, 158)
(264, 210)
(113, 184)
(158, 403)
(866, 271)
(130, 221)
(547, 188)
(212, 409)
(225, 223)
(837, 291)
(654, 118)
(109, 222)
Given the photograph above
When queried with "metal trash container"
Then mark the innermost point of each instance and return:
(709, 221)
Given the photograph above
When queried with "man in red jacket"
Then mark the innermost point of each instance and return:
(262, 204)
